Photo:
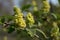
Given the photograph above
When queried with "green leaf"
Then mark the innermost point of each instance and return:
(10, 18)
(2, 20)
(54, 16)
(11, 29)
(42, 33)
(24, 7)
(59, 1)
(31, 32)
(58, 16)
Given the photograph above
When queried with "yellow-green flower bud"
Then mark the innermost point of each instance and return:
(30, 18)
(55, 30)
(46, 6)
(35, 8)
(19, 17)
(55, 24)
(22, 23)
(34, 5)
(18, 12)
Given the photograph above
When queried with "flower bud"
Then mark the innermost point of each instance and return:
(19, 18)
(46, 6)
(30, 18)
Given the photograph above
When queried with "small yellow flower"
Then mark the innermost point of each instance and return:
(55, 24)
(46, 10)
(22, 24)
(34, 2)
(16, 20)
(46, 6)
(17, 10)
(30, 18)
(34, 5)
(19, 17)
(35, 8)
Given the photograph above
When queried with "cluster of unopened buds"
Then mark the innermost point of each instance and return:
(20, 20)
(19, 17)
(34, 5)
(30, 18)
(46, 6)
